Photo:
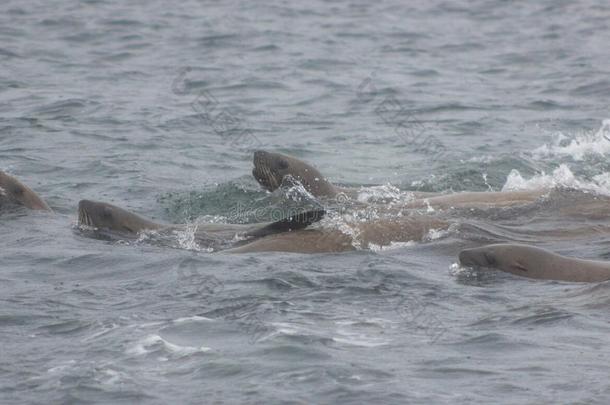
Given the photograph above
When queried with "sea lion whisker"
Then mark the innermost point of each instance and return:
(271, 168)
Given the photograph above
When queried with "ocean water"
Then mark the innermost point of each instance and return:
(157, 107)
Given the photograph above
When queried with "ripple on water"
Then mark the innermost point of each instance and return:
(95, 103)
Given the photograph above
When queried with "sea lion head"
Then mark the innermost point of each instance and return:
(507, 257)
(108, 217)
(14, 191)
(271, 167)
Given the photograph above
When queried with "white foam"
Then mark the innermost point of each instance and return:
(580, 146)
(109, 376)
(149, 343)
(560, 177)
(479, 159)
(385, 193)
(283, 328)
(195, 318)
(363, 333)
(62, 366)
(342, 224)
(434, 234)
(429, 208)
(104, 331)
(144, 325)
(456, 269)
(186, 237)
(344, 334)
(353, 341)
(379, 322)
(393, 245)
(297, 192)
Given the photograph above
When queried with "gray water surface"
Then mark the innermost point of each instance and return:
(157, 107)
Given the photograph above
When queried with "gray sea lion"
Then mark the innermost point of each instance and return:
(533, 262)
(12, 191)
(373, 234)
(112, 221)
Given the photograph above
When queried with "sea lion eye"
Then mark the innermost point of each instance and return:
(282, 164)
(490, 258)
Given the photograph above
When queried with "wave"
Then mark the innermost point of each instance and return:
(579, 147)
(154, 343)
(561, 177)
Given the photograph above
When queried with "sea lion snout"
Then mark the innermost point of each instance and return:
(84, 205)
(260, 155)
(273, 161)
(85, 208)
(265, 171)
(270, 168)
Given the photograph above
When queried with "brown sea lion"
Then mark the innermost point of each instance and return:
(479, 199)
(110, 220)
(12, 191)
(372, 234)
(287, 235)
(270, 168)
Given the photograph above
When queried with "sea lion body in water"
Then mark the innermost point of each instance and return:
(304, 241)
(111, 220)
(366, 235)
(479, 199)
(533, 262)
(286, 235)
(270, 168)
(12, 191)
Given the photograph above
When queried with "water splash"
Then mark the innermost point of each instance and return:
(579, 147)
(561, 177)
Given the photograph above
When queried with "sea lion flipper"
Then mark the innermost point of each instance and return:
(299, 221)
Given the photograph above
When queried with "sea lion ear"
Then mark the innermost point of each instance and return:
(299, 221)
(490, 259)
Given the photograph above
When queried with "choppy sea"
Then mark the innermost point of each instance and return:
(157, 107)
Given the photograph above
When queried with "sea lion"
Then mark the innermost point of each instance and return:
(303, 241)
(373, 234)
(533, 262)
(111, 221)
(12, 191)
(479, 199)
(288, 235)
(270, 168)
